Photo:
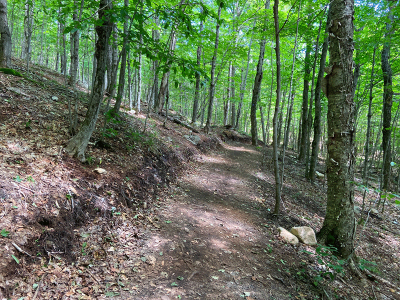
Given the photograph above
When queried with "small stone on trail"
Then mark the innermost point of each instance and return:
(305, 234)
(287, 236)
(151, 260)
(100, 171)
(186, 229)
(374, 211)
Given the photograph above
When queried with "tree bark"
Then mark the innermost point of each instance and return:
(339, 225)
(310, 118)
(317, 119)
(139, 78)
(5, 40)
(197, 88)
(122, 70)
(257, 84)
(28, 29)
(369, 117)
(77, 145)
(213, 65)
(304, 111)
(276, 114)
(387, 101)
(243, 84)
(73, 69)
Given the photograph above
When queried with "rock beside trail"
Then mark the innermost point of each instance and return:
(287, 236)
(305, 234)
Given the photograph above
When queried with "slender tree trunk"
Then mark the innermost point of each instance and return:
(264, 133)
(139, 78)
(28, 30)
(165, 78)
(122, 71)
(276, 114)
(304, 111)
(291, 97)
(73, 69)
(112, 84)
(197, 88)
(270, 92)
(339, 225)
(387, 100)
(213, 65)
(129, 82)
(317, 120)
(5, 39)
(310, 118)
(77, 145)
(243, 84)
(257, 84)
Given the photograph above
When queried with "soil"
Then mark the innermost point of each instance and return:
(176, 215)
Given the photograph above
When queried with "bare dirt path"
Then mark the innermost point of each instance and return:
(215, 242)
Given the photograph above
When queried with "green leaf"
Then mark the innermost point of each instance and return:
(168, 222)
(179, 278)
(174, 284)
(18, 179)
(16, 259)
(143, 259)
(4, 233)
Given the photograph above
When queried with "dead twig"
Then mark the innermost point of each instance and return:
(19, 249)
(38, 287)
(93, 277)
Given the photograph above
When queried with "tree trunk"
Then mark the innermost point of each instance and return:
(257, 84)
(165, 78)
(233, 102)
(213, 65)
(28, 29)
(276, 114)
(387, 100)
(197, 88)
(338, 228)
(73, 69)
(304, 111)
(139, 78)
(112, 69)
(317, 119)
(310, 118)
(243, 84)
(122, 71)
(77, 145)
(5, 40)
(270, 92)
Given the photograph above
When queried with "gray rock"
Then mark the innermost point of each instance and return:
(374, 211)
(287, 236)
(357, 209)
(305, 234)
(54, 98)
(194, 139)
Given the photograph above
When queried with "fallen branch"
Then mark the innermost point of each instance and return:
(19, 249)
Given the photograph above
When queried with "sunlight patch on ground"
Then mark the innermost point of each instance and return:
(209, 159)
(157, 242)
(217, 223)
(241, 149)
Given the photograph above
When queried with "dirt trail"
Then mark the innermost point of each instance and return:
(215, 242)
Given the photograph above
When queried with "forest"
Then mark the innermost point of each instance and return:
(309, 89)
